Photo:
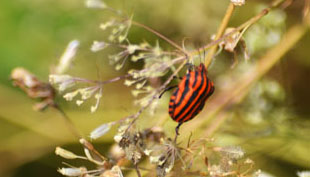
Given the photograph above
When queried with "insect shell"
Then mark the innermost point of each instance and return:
(189, 98)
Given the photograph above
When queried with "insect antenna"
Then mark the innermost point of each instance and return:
(167, 89)
(204, 53)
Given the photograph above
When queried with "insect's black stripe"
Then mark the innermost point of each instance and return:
(211, 91)
(173, 101)
(193, 97)
(202, 103)
(200, 107)
(199, 101)
(196, 77)
(186, 88)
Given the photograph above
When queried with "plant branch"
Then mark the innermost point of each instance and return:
(220, 32)
(161, 36)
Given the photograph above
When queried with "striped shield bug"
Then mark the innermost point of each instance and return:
(190, 95)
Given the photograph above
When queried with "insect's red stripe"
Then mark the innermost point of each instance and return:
(192, 104)
(190, 96)
(182, 103)
(195, 96)
(172, 100)
(190, 114)
(205, 99)
(185, 91)
(198, 107)
(182, 88)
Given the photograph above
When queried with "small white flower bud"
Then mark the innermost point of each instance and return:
(97, 97)
(63, 81)
(97, 46)
(71, 171)
(303, 174)
(100, 131)
(79, 102)
(104, 26)
(132, 48)
(67, 57)
(96, 4)
(65, 154)
(118, 138)
(154, 159)
(238, 2)
(117, 152)
(69, 96)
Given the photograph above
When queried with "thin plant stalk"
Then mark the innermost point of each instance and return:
(220, 32)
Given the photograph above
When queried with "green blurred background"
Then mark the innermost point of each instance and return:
(34, 33)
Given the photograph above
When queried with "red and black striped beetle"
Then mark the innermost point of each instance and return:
(189, 98)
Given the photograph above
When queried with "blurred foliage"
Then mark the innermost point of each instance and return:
(272, 123)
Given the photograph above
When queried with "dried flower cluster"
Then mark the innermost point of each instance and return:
(34, 88)
(152, 144)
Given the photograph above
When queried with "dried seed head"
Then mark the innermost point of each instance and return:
(34, 87)
(24, 76)
(133, 153)
(114, 172)
(231, 41)
(65, 153)
(231, 152)
(215, 170)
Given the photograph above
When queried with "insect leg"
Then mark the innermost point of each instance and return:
(177, 77)
(166, 89)
(177, 131)
(177, 128)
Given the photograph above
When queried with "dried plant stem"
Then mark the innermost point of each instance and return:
(155, 96)
(247, 24)
(306, 12)
(137, 170)
(220, 32)
(69, 122)
(77, 79)
(161, 36)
